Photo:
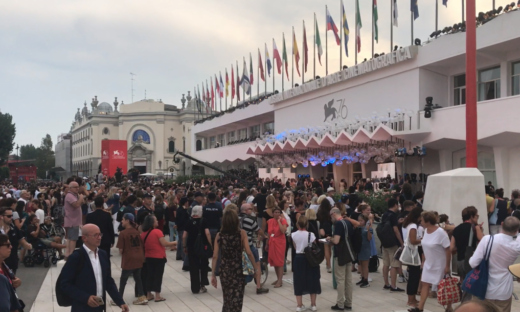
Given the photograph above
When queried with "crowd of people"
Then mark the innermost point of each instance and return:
(226, 229)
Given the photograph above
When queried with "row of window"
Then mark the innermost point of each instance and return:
(241, 134)
(81, 151)
(82, 134)
(488, 84)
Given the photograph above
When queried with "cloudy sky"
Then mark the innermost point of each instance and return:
(57, 54)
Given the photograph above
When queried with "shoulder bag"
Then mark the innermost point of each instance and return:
(314, 252)
(410, 254)
(476, 282)
(247, 266)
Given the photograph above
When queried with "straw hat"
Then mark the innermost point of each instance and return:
(515, 270)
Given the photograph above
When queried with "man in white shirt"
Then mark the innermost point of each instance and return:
(504, 252)
(330, 193)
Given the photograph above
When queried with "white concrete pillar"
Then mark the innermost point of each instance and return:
(446, 160)
(505, 73)
(502, 168)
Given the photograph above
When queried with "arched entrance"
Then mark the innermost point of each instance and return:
(140, 157)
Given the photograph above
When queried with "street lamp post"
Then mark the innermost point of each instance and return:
(17, 155)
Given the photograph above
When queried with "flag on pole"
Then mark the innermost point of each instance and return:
(395, 14)
(318, 43)
(221, 86)
(227, 84)
(217, 86)
(346, 31)
(415, 9)
(445, 2)
(284, 56)
(296, 54)
(261, 66)
(358, 27)
(246, 85)
(277, 58)
(207, 92)
(268, 61)
(332, 26)
(212, 96)
(232, 83)
(251, 80)
(305, 48)
(376, 32)
(203, 93)
(238, 84)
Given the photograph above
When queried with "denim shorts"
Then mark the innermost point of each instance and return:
(254, 251)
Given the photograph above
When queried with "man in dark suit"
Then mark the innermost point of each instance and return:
(104, 221)
(87, 287)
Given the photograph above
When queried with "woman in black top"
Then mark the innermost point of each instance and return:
(323, 217)
(181, 219)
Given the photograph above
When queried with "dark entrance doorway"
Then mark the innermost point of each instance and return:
(142, 169)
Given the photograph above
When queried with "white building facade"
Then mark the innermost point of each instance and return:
(153, 131)
(378, 107)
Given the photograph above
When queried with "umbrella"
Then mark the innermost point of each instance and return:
(147, 175)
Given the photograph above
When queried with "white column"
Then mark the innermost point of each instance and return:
(505, 73)
(446, 160)
(502, 168)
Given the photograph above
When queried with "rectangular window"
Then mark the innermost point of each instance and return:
(459, 90)
(489, 84)
(231, 137)
(221, 139)
(242, 134)
(255, 131)
(269, 127)
(515, 80)
(212, 142)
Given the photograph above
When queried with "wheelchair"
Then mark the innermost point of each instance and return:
(40, 254)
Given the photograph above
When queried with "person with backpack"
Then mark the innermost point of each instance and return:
(343, 258)
(390, 238)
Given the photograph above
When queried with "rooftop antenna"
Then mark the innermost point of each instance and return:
(132, 82)
(145, 94)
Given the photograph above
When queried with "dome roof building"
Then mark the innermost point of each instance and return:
(105, 108)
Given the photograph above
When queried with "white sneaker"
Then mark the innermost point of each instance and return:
(401, 279)
(313, 308)
(369, 279)
(302, 308)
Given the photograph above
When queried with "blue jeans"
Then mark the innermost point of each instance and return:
(173, 232)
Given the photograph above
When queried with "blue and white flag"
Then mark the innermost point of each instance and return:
(246, 85)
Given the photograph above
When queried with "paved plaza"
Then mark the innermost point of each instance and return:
(176, 290)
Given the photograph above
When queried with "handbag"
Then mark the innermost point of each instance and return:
(476, 281)
(314, 253)
(410, 254)
(247, 266)
(470, 250)
(398, 253)
(448, 291)
(202, 250)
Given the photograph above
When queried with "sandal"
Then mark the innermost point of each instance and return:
(160, 299)
(278, 286)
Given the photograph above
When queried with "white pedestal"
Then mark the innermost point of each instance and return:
(451, 191)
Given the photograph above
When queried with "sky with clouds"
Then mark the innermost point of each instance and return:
(57, 54)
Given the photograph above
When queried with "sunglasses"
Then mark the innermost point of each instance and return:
(8, 216)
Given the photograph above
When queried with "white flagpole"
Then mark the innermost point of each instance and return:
(341, 36)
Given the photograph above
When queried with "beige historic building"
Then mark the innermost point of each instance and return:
(153, 131)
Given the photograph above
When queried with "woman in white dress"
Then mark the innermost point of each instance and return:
(436, 257)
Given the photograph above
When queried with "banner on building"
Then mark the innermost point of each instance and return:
(113, 155)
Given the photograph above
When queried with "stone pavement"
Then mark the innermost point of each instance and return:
(176, 290)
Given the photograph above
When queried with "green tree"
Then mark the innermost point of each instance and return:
(4, 173)
(28, 152)
(45, 157)
(7, 133)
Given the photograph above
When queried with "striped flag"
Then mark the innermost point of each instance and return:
(296, 53)
(261, 65)
(358, 27)
(246, 85)
(318, 43)
(376, 31)
(232, 83)
(238, 84)
(207, 92)
(268, 61)
(212, 96)
(221, 86)
(395, 14)
(346, 31)
(251, 79)
(284, 56)
(332, 26)
(305, 48)
(203, 93)
(227, 84)
(217, 86)
(277, 58)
